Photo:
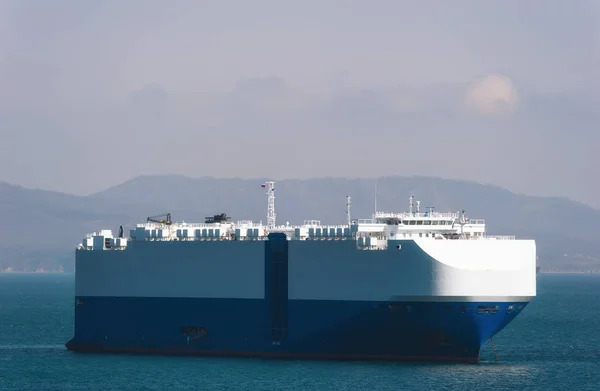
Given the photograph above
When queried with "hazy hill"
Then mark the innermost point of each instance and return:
(41, 228)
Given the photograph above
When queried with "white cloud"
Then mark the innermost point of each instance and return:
(493, 95)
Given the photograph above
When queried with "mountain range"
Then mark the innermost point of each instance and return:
(40, 228)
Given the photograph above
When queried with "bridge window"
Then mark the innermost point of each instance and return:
(434, 222)
(427, 222)
(419, 222)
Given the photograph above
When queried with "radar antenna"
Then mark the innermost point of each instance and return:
(270, 191)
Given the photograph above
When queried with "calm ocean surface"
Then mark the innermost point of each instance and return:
(553, 344)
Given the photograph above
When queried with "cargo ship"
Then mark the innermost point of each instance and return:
(418, 285)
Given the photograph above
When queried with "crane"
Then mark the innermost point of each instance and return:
(157, 219)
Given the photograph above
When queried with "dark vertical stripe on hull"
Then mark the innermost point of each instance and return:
(276, 286)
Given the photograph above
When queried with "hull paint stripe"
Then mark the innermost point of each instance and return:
(465, 299)
(412, 299)
(272, 355)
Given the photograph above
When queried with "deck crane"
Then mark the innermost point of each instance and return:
(157, 219)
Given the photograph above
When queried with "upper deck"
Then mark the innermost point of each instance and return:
(372, 233)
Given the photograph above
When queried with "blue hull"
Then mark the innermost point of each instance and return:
(430, 331)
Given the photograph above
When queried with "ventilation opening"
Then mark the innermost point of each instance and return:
(194, 331)
(487, 309)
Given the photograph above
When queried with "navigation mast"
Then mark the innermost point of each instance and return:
(348, 207)
(270, 192)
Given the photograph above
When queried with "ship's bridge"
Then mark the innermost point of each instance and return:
(430, 224)
(442, 220)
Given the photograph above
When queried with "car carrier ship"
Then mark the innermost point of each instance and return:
(415, 285)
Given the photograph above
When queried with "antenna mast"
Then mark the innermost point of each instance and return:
(348, 206)
(377, 180)
(270, 191)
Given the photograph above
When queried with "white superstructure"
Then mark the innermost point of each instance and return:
(372, 233)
